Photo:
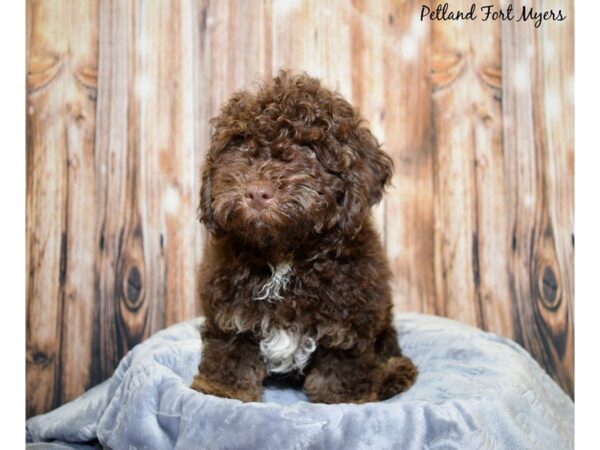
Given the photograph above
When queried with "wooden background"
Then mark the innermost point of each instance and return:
(478, 117)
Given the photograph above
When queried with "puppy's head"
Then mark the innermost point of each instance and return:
(288, 161)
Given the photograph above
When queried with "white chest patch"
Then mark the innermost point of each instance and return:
(282, 350)
(272, 289)
(286, 350)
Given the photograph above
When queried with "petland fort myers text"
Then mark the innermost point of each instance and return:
(491, 13)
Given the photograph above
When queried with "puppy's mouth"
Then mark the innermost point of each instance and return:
(244, 217)
(258, 217)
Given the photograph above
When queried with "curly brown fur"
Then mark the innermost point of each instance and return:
(294, 278)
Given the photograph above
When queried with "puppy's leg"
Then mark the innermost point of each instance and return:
(376, 372)
(230, 367)
(341, 376)
(395, 373)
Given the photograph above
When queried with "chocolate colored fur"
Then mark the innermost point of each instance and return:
(294, 262)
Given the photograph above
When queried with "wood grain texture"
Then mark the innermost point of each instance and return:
(407, 137)
(455, 208)
(538, 109)
(477, 116)
(61, 85)
(146, 166)
(118, 228)
(470, 263)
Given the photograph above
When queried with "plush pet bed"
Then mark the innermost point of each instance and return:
(475, 390)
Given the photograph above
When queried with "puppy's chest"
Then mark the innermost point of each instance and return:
(283, 348)
(273, 288)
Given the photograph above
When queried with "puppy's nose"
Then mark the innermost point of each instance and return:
(259, 195)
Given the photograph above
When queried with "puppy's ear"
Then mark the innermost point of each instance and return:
(366, 179)
(205, 209)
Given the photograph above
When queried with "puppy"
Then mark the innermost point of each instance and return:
(294, 278)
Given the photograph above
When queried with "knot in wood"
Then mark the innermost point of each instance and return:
(549, 288)
(39, 358)
(133, 287)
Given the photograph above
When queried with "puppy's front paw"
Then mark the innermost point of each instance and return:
(206, 386)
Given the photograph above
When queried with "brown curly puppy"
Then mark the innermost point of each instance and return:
(294, 278)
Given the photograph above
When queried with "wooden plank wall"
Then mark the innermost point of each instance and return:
(478, 117)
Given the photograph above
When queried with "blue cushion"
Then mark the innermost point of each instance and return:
(475, 390)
